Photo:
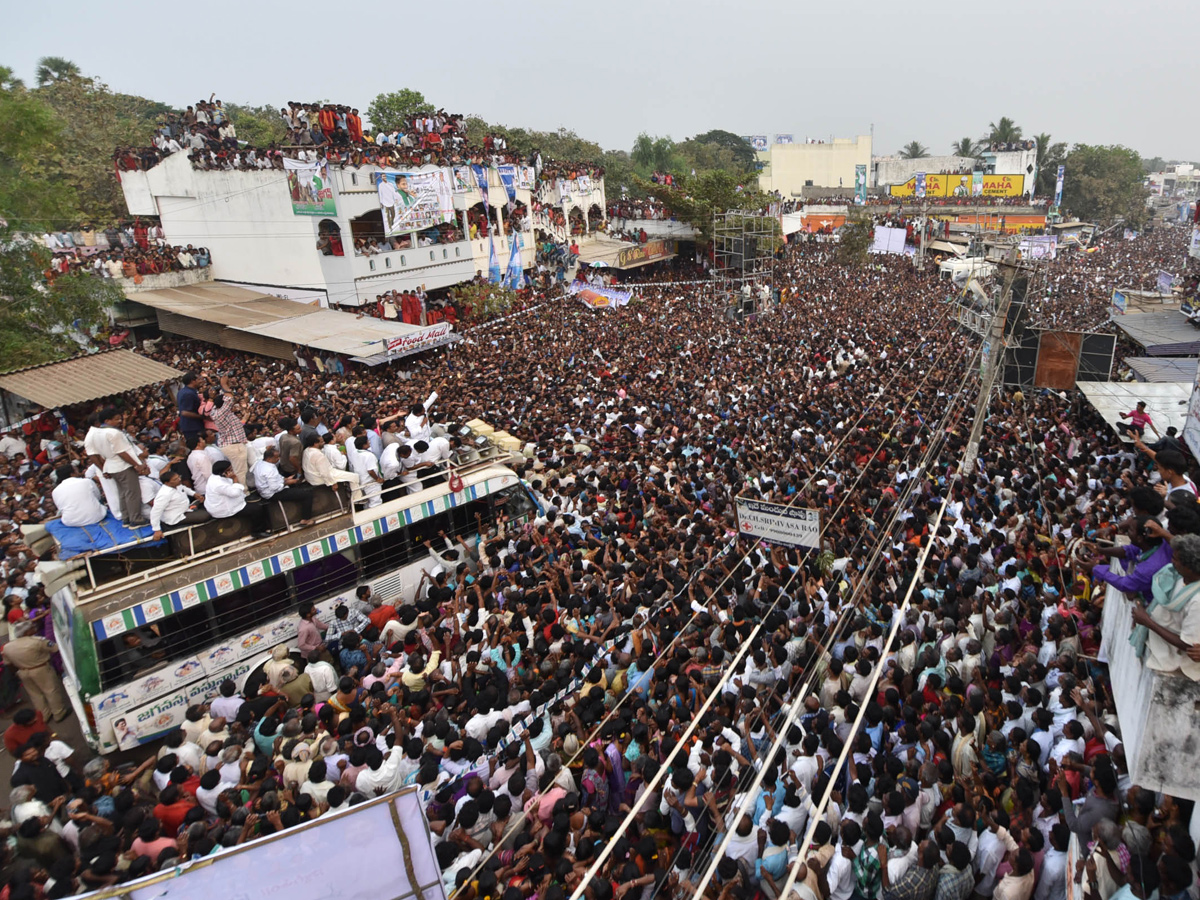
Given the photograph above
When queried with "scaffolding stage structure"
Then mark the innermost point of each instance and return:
(744, 256)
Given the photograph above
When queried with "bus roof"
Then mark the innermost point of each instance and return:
(301, 545)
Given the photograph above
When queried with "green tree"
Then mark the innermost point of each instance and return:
(391, 111)
(696, 200)
(742, 152)
(1102, 183)
(8, 79)
(914, 150)
(965, 147)
(854, 240)
(1003, 131)
(55, 68)
(654, 154)
(1049, 157)
(256, 125)
(35, 198)
(94, 122)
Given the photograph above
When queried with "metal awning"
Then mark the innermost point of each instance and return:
(86, 378)
(1162, 333)
(259, 323)
(1163, 368)
(1166, 402)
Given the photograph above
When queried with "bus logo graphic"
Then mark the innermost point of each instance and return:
(188, 668)
(114, 624)
(252, 640)
(256, 572)
(153, 609)
(189, 596)
(152, 683)
(281, 629)
(224, 583)
(220, 656)
(116, 698)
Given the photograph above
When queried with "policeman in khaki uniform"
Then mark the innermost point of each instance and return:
(30, 654)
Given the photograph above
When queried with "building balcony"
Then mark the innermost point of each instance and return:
(1159, 712)
(165, 280)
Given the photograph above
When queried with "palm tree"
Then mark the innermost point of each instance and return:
(1004, 131)
(1049, 157)
(914, 150)
(55, 68)
(965, 147)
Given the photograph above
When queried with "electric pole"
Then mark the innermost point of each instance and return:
(990, 366)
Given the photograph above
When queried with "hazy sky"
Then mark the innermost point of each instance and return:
(1095, 72)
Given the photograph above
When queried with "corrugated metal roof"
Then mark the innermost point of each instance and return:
(335, 332)
(86, 378)
(1162, 333)
(223, 304)
(1163, 368)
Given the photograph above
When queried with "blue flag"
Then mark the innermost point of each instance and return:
(516, 273)
(481, 180)
(494, 274)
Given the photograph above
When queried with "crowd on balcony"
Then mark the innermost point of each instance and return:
(943, 722)
(334, 132)
(125, 250)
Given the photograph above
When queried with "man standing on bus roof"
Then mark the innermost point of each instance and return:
(30, 654)
(121, 464)
(187, 401)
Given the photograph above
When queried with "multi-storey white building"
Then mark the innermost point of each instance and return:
(246, 219)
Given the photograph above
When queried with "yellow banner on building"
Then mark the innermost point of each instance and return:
(958, 184)
(1003, 185)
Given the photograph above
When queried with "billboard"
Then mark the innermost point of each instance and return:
(860, 184)
(309, 186)
(779, 523)
(784, 139)
(961, 184)
(1039, 246)
(1194, 246)
(412, 201)
(920, 187)
(1120, 303)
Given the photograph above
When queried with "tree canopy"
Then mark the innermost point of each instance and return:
(1102, 183)
(54, 68)
(1003, 131)
(390, 111)
(914, 150)
(34, 197)
(258, 126)
(965, 147)
(1049, 157)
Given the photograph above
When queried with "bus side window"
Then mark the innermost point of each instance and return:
(187, 632)
(251, 606)
(512, 502)
(324, 577)
(386, 553)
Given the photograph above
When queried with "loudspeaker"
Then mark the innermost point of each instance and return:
(751, 253)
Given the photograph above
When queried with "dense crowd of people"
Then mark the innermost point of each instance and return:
(123, 250)
(334, 132)
(884, 726)
(1074, 292)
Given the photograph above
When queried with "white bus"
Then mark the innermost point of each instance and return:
(219, 612)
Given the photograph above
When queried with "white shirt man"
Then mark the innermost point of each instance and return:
(324, 679)
(390, 462)
(170, 506)
(224, 498)
(200, 465)
(10, 446)
(268, 480)
(78, 502)
(418, 426)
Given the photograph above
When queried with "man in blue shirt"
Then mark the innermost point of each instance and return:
(1147, 553)
(187, 400)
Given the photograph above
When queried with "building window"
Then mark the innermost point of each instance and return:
(387, 262)
(353, 178)
(371, 263)
(458, 251)
(445, 253)
(403, 262)
(431, 255)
